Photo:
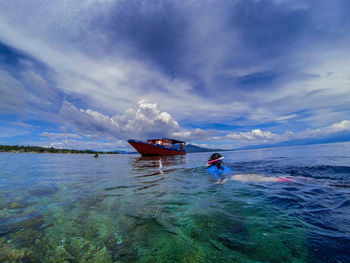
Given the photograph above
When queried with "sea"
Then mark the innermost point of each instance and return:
(127, 208)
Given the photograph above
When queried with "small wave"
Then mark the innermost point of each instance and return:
(116, 187)
(319, 171)
(345, 203)
(146, 187)
(341, 185)
(291, 202)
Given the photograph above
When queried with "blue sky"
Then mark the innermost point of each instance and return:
(93, 73)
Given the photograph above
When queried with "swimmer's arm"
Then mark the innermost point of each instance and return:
(219, 179)
(216, 175)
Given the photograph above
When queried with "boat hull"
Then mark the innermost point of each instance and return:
(147, 149)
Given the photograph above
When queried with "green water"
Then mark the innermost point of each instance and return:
(123, 208)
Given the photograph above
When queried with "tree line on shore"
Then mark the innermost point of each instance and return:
(37, 149)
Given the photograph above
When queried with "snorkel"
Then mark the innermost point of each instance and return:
(215, 159)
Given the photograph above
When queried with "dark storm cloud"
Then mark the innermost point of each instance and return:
(180, 39)
(166, 32)
(270, 28)
(155, 30)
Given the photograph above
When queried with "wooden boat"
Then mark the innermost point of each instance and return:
(154, 147)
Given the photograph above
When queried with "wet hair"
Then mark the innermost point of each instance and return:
(215, 156)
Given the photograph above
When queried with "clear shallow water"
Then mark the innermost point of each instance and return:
(124, 208)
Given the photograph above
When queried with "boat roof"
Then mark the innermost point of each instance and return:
(173, 140)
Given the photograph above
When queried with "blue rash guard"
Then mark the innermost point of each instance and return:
(218, 173)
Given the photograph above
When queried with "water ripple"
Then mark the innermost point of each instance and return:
(123, 208)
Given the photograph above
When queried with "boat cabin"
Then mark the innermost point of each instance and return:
(168, 143)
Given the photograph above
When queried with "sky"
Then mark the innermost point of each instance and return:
(90, 74)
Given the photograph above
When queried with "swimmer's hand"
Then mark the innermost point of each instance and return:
(221, 181)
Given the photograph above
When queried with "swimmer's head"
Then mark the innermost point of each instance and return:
(214, 156)
(215, 159)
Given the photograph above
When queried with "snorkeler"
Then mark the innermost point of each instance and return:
(218, 170)
(216, 167)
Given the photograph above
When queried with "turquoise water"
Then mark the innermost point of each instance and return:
(124, 208)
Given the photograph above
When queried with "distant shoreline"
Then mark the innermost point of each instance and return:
(37, 149)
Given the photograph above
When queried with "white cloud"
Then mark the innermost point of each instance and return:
(339, 127)
(203, 145)
(9, 132)
(54, 136)
(196, 134)
(145, 121)
(343, 126)
(85, 145)
(254, 135)
(258, 135)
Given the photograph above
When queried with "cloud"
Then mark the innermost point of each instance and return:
(54, 136)
(25, 88)
(144, 121)
(248, 64)
(107, 127)
(254, 135)
(8, 132)
(336, 128)
(113, 80)
(196, 134)
(84, 145)
(10, 88)
(258, 135)
(20, 124)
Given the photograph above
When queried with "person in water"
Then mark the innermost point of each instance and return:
(216, 167)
